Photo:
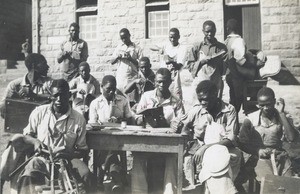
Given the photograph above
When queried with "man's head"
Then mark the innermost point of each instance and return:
(145, 65)
(232, 26)
(109, 86)
(209, 30)
(266, 100)
(174, 36)
(125, 36)
(37, 63)
(74, 31)
(60, 95)
(84, 71)
(163, 79)
(207, 94)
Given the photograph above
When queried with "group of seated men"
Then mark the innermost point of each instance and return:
(211, 125)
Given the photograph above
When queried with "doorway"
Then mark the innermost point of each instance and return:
(249, 22)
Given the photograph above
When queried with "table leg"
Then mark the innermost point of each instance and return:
(180, 169)
(95, 167)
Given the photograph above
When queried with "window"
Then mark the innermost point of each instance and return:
(88, 27)
(86, 14)
(240, 2)
(157, 18)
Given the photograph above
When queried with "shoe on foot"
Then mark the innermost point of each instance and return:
(117, 189)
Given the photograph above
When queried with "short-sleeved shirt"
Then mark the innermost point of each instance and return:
(41, 86)
(213, 70)
(198, 115)
(67, 132)
(101, 111)
(127, 71)
(259, 134)
(236, 48)
(79, 53)
(176, 53)
(172, 107)
(91, 86)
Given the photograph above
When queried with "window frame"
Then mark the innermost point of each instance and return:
(156, 6)
(241, 2)
(87, 8)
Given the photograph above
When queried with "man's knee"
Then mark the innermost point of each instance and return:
(80, 166)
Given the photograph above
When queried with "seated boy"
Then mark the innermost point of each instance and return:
(84, 88)
(110, 107)
(160, 163)
(143, 83)
(33, 86)
(211, 110)
(261, 136)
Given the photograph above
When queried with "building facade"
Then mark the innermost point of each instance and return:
(270, 25)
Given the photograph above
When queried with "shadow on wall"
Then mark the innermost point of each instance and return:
(285, 77)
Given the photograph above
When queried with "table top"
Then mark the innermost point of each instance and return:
(115, 129)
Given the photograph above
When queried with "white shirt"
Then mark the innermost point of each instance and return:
(101, 111)
(44, 125)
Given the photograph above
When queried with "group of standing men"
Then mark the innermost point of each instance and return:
(211, 124)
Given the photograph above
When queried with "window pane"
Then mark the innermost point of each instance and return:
(88, 27)
(158, 23)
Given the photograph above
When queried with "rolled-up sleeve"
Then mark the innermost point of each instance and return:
(93, 116)
(231, 129)
(81, 139)
(31, 128)
(84, 52)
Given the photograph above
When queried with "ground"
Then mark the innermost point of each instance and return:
(289, 92)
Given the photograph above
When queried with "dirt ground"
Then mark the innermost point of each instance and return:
(290, 93)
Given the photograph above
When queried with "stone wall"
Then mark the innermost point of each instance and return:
(56, 15)
(280, 28)
(55, 18)
(281, 31)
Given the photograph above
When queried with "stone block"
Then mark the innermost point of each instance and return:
(195, 7)
(57, 10)
(271, 20)
(63, 32)
(295, 10)
(186, 16)
(297, 45)
(266, 46)
(279, 11)
(56, 32)
(291, 36)
(290, 19)
(56, 3)
(271, 37)
(42, 3)
(271, 3)
(178, 9)
(273, 52)
(266, 28)
(265, 11)
(290, 54)
(295, 28)
(281, 45)
(289, 3)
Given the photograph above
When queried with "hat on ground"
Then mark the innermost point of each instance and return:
(215, 162)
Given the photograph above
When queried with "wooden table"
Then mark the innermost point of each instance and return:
(272, 184)
(136, 139)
